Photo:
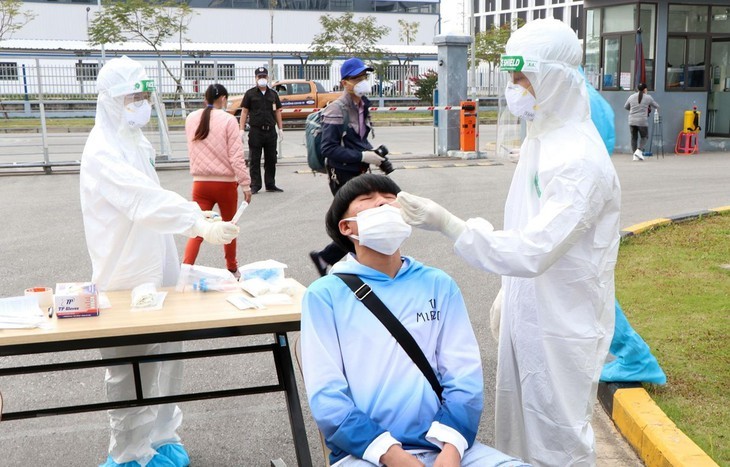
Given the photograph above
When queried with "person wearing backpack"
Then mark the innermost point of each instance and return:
(345, 129)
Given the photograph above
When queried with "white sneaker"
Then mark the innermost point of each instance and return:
(638, 155)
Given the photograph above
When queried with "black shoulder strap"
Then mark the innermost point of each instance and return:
(364, 293)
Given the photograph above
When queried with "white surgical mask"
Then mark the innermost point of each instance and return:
(262, 82)
(381, 229)
(361, 88)
(521, 103)
(137, 115)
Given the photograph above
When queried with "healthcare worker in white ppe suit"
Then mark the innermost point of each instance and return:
(556, 254)
(129, 220)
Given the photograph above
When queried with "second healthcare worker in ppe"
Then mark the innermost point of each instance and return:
(128, 221)
(556, 254)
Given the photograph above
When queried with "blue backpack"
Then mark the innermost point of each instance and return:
(313, 137)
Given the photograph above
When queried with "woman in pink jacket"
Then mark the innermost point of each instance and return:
(217, 166)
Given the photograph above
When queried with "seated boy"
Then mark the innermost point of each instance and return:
(369, 399)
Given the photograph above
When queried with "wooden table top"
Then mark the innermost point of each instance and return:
(182, 311)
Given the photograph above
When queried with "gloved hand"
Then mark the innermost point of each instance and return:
(369, 157)
(217, 233)
(243, 136)
(495, 315)
(279, 135)
(212, 216)
(428, 215)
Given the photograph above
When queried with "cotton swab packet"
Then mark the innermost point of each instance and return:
(239, 211)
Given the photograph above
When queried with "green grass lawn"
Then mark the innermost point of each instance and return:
(674, 286)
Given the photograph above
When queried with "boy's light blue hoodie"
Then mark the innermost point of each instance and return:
(364, 390)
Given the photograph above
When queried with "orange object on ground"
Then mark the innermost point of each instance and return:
(468, 126)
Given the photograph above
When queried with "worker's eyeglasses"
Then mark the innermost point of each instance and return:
(137, 98)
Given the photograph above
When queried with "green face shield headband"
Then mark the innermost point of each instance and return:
(144, 85)
(518, 63)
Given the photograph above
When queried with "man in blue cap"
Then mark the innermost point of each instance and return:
(345, 128)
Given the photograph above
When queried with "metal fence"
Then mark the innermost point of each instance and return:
(35, 79)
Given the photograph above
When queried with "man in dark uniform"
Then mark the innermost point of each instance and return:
(349, 153)
(262, 105)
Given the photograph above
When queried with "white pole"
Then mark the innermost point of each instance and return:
(103, 55)
(474, 71)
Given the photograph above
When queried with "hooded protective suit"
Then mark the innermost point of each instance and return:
(128, 221)
(556, 254)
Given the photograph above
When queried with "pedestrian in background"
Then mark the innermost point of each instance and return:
(217, 166)
(346, 126)
(261, 105)
(639, 106)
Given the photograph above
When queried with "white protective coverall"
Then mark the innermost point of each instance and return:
(556, 254)
(128, 221)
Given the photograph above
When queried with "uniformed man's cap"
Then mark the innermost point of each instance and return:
(262, 71)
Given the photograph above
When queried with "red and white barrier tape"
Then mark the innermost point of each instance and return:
(385, 109)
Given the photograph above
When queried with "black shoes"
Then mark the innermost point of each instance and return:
(255, 190)
(274, 189)
(322, 270)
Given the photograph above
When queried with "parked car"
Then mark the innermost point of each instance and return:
(294, 94)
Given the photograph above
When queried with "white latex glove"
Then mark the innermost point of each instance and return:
(495, 315)
(279, 135)
(212, 216)
(217, 233)
(428, 215)
(369, 157)
(243, 136)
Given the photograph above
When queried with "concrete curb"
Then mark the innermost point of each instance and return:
(648, 430)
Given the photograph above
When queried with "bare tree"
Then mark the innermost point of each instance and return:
(12, 19)
(151, 23)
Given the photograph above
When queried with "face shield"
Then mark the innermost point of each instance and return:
(129, 102)
(516, 104)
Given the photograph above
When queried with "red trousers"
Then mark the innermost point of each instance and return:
(207, 195)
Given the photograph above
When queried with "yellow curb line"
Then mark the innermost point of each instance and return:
(721, 209)
(648, 225)
(652, 434)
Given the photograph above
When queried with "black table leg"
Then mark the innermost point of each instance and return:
(285, 369)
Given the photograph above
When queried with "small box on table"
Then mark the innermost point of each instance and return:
(76, 300)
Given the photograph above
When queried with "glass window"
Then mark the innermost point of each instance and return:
(720, 19)
(539, 2)
(593, 46)
(8, 71)
(505, 18)
(489, 23)
(618, 61)
(505, 4)
(618, 18)
(490, 5)
(687, 18)
(539, 13)
(685, 63)
(558, 13)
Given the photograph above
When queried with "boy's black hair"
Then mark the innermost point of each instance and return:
(358, 186)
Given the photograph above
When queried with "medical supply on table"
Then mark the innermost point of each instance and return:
(242, 302)
(239, 211)
(21, 313)
(268, 270)
(44, 296)
(205, 279)
(145, 296)
(76, 300)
